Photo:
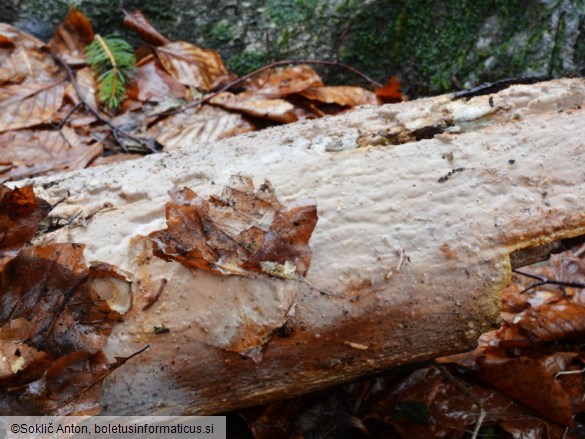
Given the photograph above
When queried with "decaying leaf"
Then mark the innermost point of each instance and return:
(87, 88)
(55, 324)
(240, 232)
(254, 105)
(55, 316)
(527, 381)
(138, 22)
(427, 404)
(515, 359)
(151, 83)
(24, 106)
(280, 82)
(71, 38)
(195, 125)
(390, 92)
(190, 65)
(24, 59)
(20, 215)
(341, 95)
(27, 153)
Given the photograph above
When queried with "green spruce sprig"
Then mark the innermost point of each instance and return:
(112, 60)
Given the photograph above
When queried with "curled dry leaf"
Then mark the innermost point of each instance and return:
(20, 215)
(56, 324)
(280, 82)
(191, 65)
(27, 153)
(341, 95)
(87, 88)
(71, 38)
(195, 125)
(391, 91)
(241, 231)
(70, 386)
(6, 43)
(528, 381)
(24, 59)
(138, 22)
(277, 110)
(552, 322)
(151, 83)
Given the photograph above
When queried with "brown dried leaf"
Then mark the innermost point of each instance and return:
(29, 153)
(279, 82)
(87, 88)
(450, 411)
(231, 235)
(196, 125)
(15, 357)
(55, 320)
(287, 240)
(24, 106)
(391, 91)
(574, 385)
(6, 42)
(252, 104)
(190, 65)
(70, 386)
(341, 95)
(48, 286)
(26, 59)
(71, 38)
(528, 381)
(20, 214)
(138, 22)
(151, 83)
(14, 69)
(556, 321)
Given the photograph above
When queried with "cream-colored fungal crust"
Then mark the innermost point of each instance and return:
(424, 227)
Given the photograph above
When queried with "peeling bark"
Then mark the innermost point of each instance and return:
(420, 205)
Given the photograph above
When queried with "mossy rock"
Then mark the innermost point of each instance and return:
(432, 46)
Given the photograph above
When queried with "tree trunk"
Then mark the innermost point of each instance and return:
(419, 207)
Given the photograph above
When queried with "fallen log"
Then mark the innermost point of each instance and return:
(419, 207)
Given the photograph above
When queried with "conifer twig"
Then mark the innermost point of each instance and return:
(115, 130)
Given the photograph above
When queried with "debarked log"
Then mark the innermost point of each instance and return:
(419, 207)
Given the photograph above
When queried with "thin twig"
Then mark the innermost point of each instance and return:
(156, 296)
(468, 393)
(120, 362)
(239, 81)
(543, 280)
(68, 115)
(97, 114)
(340, 39)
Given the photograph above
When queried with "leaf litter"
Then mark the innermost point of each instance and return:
(50, 120)
(56, 314)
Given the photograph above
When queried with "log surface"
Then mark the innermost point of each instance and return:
(420, 205)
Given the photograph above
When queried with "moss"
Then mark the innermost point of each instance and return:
(428, 42)
(286, 12)
(580, 50)
(221, 33)
(247, 62)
